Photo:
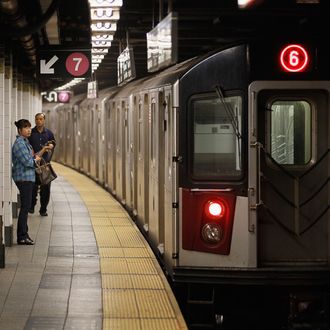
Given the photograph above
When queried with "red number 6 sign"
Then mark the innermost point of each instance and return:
(294, 58)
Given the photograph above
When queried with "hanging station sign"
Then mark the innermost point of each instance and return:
(57, 63)
(162, 43)
(126, 66)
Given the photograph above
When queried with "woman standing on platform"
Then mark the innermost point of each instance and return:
(23, 174)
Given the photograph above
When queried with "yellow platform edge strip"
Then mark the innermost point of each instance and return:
(135, 306)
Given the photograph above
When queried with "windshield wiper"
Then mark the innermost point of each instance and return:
(229, 111)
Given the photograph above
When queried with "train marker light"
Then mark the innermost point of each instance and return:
(212, 233)
(294, 58)
(214, 209)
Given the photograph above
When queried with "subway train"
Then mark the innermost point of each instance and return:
(223, 163)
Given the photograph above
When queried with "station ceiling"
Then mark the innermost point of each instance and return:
(204, 25)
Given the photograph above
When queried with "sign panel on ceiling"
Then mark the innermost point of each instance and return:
(162, 43)
(58, 63)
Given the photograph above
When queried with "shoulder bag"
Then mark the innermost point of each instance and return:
(44, 172)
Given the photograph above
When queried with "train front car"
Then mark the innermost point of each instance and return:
(253, 164)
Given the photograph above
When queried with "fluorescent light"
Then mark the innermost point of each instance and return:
(100, 50)
(101, 44)
(99, 27)
(105, 3)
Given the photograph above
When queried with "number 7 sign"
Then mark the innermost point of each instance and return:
(77, 64)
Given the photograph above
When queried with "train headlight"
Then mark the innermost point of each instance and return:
(212, 233)
(214, 209)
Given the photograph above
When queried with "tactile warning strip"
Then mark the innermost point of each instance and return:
(136, 294)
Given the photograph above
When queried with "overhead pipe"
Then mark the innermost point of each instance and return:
(23, 31)
(10, 8)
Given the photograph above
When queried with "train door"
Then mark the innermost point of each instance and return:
(85, 140)
(92, 111)
(289, 173)
(81, 137)
(120, 171)
(62, 134)
(69, 140)
(143, 161)
(169, 136)
(133, 153)
(113, 137)
(101, 143)
(97, 141)
(156, 169)
(128, 160)
(110, 145)
(75, 138)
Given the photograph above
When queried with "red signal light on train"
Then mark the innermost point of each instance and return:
(294, 58)
(214, 209)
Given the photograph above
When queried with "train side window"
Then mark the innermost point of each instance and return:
(139, 126)
(216, 129)
(153, 130)
(291, 132)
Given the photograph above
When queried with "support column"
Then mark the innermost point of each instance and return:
(8, 128)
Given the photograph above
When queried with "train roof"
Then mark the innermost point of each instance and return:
(167, 76)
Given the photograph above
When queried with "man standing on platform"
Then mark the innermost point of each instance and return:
(40, 137)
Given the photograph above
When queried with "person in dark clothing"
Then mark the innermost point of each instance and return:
(40, 137)
(23, 174)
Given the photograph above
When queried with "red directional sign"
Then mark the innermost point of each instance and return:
(55, 62)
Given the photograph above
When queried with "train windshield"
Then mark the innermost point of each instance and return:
(217, 123)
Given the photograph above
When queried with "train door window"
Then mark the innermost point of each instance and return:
(108, 115)
(216, 129)
(126, 124)
(291, 132)
(140, 127)
(153, 130)
(168, 134)
(91, 113)
(118, 140)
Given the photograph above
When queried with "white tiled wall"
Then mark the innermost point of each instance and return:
(14, 190)
(2, 81)
(2, 77)
(17, 100)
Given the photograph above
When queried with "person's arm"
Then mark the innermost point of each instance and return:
(43, 150)
(51, 138)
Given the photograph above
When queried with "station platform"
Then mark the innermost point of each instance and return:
(90, 267)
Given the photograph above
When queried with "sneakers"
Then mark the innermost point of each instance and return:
(26, 241)
(31, 210)
(43, 213)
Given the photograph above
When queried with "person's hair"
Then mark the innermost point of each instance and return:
(40, 114)
(22, 123)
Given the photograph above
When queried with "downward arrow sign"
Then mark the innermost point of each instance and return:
(46, 68)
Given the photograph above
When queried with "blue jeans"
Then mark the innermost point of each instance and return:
(25, 189)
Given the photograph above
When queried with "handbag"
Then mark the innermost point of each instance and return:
(44, 172)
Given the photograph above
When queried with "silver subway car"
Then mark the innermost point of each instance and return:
(223, 162)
